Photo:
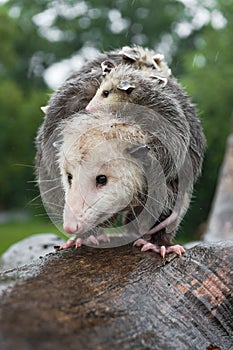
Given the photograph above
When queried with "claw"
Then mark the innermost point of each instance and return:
(78, 243)
(92, 240)
(150, 246)
(162, 250)
(70, 243)
(178, 249)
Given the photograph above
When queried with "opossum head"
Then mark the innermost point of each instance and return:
(123, 84)
(102, 172)
(115, 87)
(145, 59)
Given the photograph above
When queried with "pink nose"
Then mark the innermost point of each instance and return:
(72, 228)
(88, 108)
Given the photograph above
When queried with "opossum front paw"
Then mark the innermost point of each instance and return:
(72, 242)
(162, 250)
(78, 242)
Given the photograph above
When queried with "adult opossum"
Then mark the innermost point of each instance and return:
(72, 97)
(166, 118)
(112, 165)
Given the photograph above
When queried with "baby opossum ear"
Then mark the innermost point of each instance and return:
(107, 66)
(57, 144)
(162, 80)
(126, 86)
(139, 150)
(128, 53)
(158, 58)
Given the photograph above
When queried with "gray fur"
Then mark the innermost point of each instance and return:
(179, 128)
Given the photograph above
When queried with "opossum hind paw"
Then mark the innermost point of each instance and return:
(162, 250)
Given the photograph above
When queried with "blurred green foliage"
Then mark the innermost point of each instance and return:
(34, 35)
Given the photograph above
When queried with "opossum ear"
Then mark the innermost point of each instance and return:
(162, 80)
(126, 86)
(158, 58)
(57, 144)
(128, 53)
(107, 66)
(44, 109)
(139, 150)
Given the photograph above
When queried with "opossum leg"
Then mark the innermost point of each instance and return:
(163, 224)
(162, 250)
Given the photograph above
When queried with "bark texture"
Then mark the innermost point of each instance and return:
(97, 299)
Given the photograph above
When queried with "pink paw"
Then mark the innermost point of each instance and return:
(78, 242)
(72, 242)
(162, 250)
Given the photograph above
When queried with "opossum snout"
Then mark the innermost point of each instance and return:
(73, 228)
(92, 105)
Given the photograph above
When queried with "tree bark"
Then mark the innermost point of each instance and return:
(121, 298)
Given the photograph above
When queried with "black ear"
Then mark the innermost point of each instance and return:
(139, 150)
(125, 86)
(129, 54)
(107, 66)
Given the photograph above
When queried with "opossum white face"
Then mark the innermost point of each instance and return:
(98, 181)
(111, 91)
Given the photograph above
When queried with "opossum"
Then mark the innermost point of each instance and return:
(122, 84)
(167, 120)
(108, 167)
(72, 97)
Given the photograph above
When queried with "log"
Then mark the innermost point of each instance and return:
(121, 298)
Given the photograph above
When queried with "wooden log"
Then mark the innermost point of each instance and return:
(220, 223)
(121, 298)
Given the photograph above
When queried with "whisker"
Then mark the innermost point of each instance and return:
(24, 165)
(53, 204)
(153, 216)
(154, 199)
(42, 181)
(42, 194)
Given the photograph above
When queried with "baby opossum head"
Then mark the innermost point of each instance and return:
(145, 59)
(124, 84)
(101, 164)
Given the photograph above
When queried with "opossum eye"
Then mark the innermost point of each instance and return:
(69, 178)
(105, 93)
(101, 180)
